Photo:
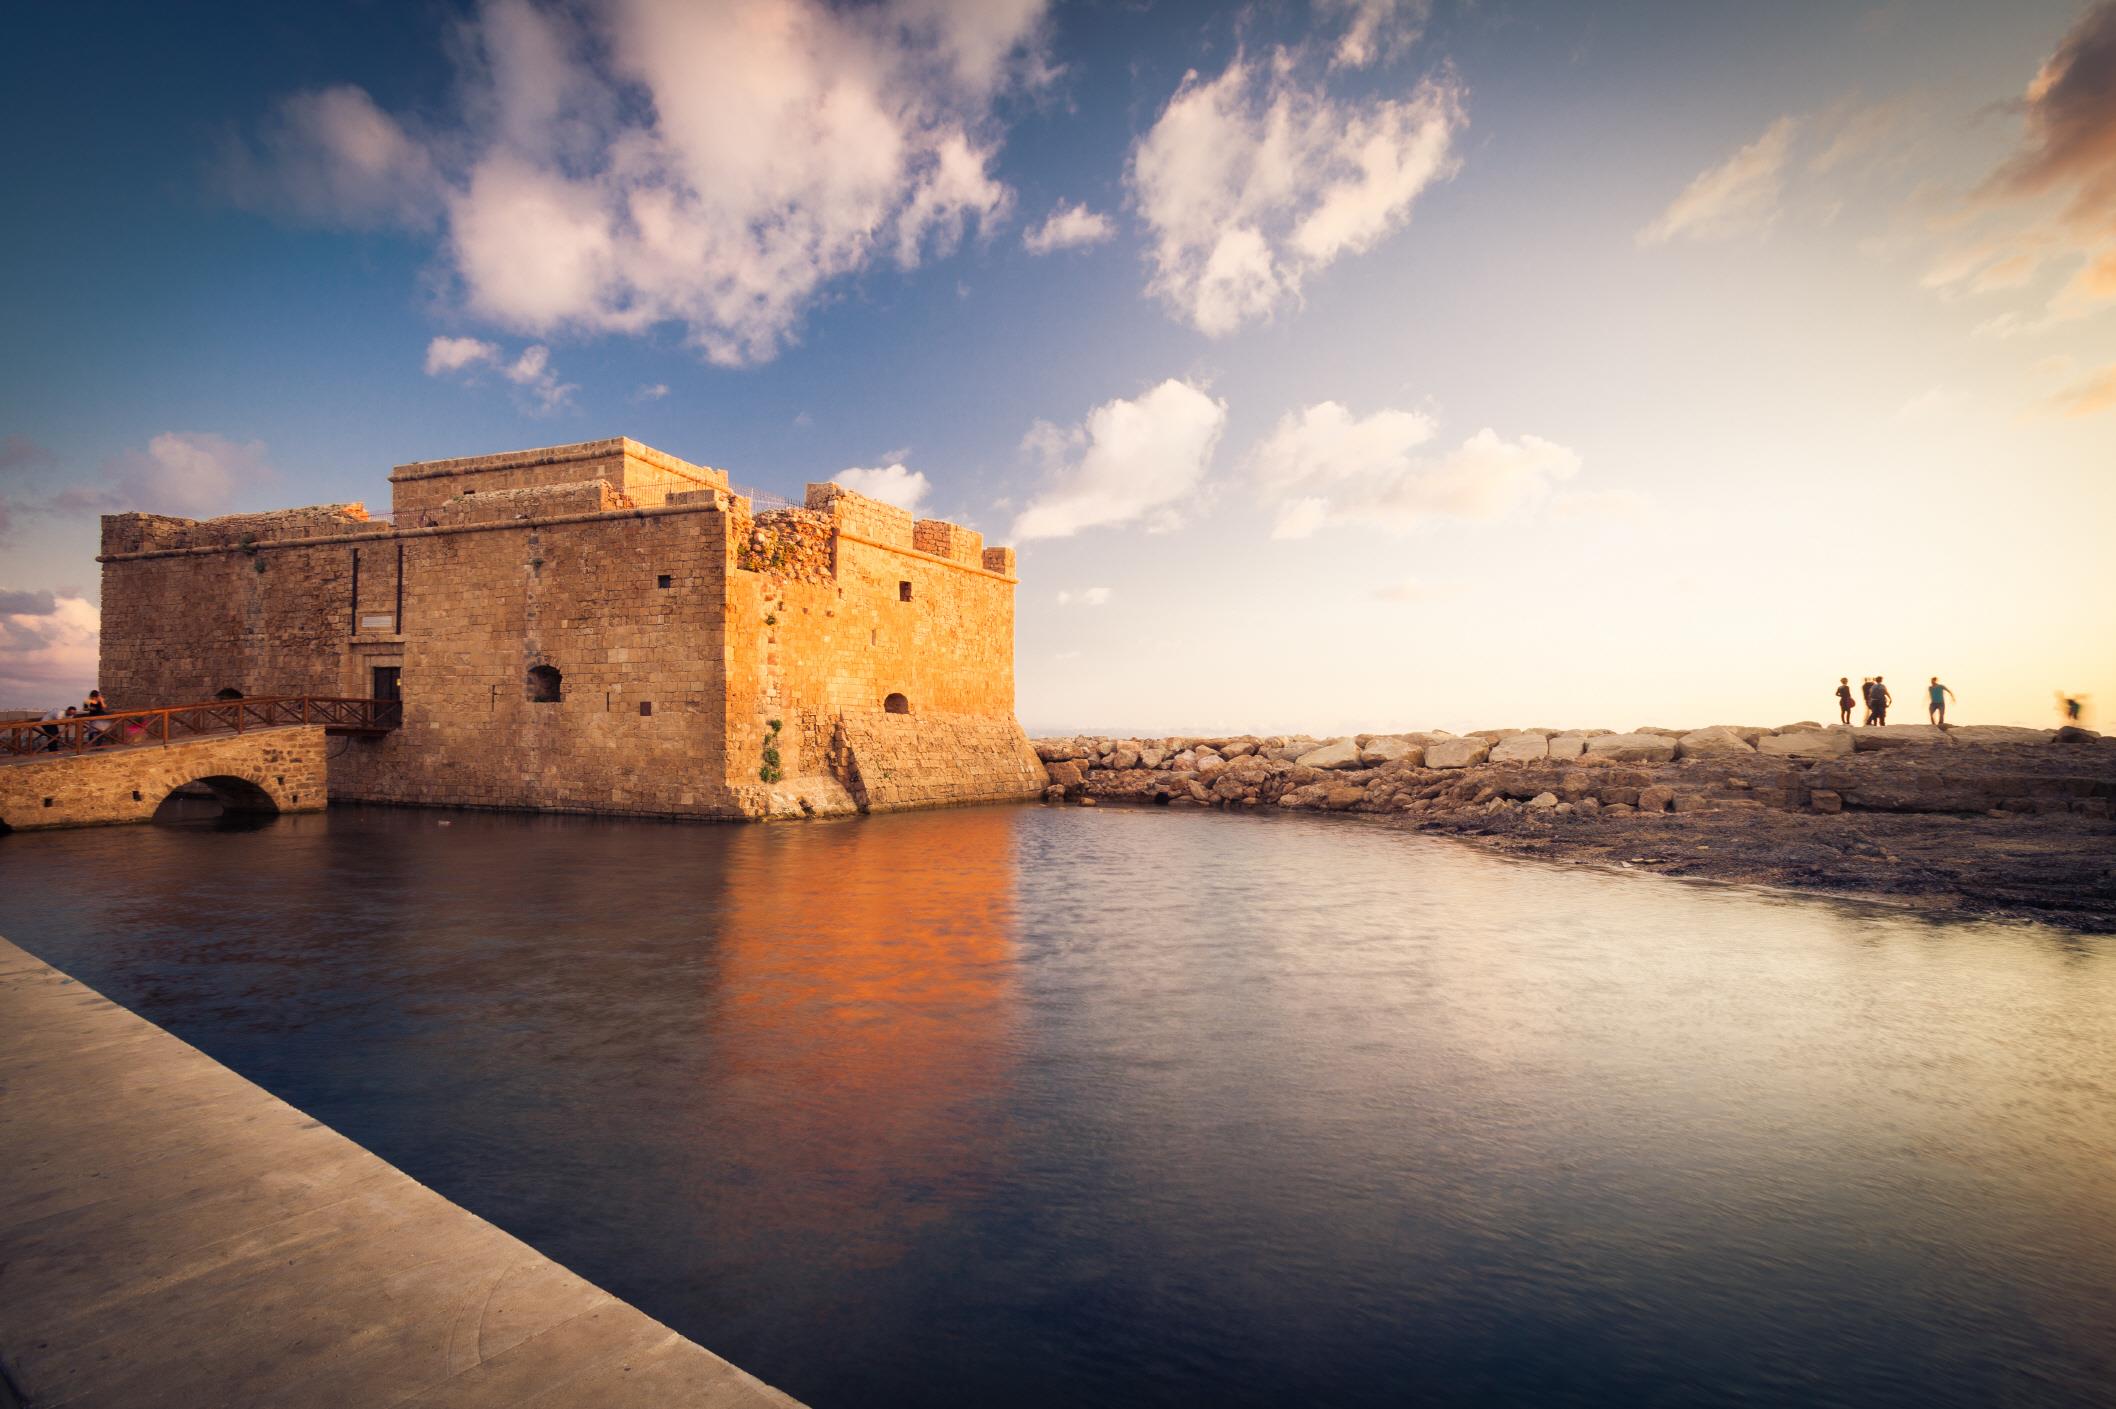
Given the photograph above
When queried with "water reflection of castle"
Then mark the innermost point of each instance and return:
(872, 1029)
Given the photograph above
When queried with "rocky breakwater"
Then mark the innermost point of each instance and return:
(1972, 817)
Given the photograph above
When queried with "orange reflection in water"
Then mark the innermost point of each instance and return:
(870, 1018)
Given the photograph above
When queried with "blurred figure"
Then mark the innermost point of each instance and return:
(1844, 699)
(1866, 693)
(1937, 696)
(2072, 708)
(1882, 700)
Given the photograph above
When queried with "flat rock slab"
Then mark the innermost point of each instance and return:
(172, 1234)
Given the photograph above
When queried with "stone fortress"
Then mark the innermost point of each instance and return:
(597, 627)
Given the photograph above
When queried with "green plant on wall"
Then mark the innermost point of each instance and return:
(770, 772)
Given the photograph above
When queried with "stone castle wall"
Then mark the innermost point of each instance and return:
(706, 655)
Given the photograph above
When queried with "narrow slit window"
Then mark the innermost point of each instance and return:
(646, 707)
(903, 591)
(664, 582)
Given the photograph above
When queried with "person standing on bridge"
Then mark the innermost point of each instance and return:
(94, 708)
(1937, 696)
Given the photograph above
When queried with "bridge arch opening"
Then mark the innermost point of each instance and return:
(217, 798)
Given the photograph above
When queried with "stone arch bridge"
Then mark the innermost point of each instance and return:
(273, 769)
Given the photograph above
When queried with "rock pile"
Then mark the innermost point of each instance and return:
(1552, 775)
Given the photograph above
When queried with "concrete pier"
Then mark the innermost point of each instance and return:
(171, 1234)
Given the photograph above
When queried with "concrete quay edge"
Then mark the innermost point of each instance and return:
(171, 1233)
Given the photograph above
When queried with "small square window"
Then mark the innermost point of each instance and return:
(664, 581)
(903, 591)
(646, 707)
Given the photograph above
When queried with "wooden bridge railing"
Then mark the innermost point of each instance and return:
(177, 723)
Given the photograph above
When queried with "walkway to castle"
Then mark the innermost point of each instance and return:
(172, 1234)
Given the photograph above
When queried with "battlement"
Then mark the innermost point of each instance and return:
(887, 526)
(148, 533)
(643, 475)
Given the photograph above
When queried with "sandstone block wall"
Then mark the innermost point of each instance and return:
(267, 769)
(646, 475)
(897, 761)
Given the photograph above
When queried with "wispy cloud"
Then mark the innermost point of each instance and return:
(1086, 597)
(530, 369)
(1737, 197)
(1132, 459)
(652, 391)
(1375, 29)
(2088, 397)
(1068, 227)
(1256, 180)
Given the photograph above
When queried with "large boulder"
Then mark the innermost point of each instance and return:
(1520, 748)
(1806, 743)
(1386, 748)
(1065, 773)
(1342, 754)
(1718, 739)
(1898, 736)
(1456, 753)
(1997, 734)
(1056, 750)
(1631, 748)
(1568, 745)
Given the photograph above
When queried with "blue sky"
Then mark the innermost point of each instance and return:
(1411, 365)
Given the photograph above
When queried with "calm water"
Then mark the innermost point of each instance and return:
(1059, 1107)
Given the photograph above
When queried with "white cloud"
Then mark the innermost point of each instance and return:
(531, 369)
(445, 355)
(716, 165)
(652, 391)
(1737, 197)
(1252, 182)
(533, 373)
(1324, 466)
(891, 483)
(1377, 28)
(1086, 597)
(48, 648)
(1130, 459)
(1068, 227)
(1326, 444)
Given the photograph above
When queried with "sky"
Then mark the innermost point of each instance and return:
(1354, 365)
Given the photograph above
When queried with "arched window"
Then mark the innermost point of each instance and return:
(544, 684)
(228, 693)
(897, 704)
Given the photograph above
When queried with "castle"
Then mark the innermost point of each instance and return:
(598, 627)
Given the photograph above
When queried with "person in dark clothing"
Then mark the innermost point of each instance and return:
(92, 708)
(1866, 693)
(1844, 698)
(1882, 700)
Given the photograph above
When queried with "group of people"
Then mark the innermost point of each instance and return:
(1878, 698)
(58, 737)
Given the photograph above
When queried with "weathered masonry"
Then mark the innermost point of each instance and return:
(596, 628)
